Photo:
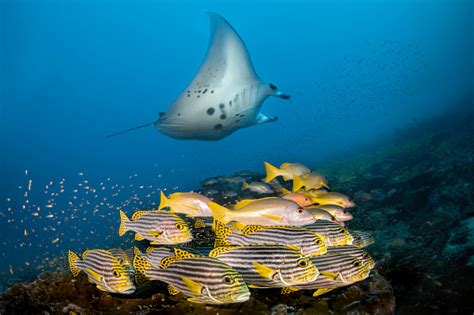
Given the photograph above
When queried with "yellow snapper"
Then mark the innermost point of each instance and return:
(309, 181)
(257, 187)
(189, 203)
(103, 269)
(320, 214)
(268, 266)
(286, 170)
(332, 198)
(203, 279)
(340, 213)
(159, 227)
(264, 211)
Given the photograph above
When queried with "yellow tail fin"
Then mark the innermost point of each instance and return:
(222, 231)
(244, 185)
(271, 171)
(123, 221)
(164, 201)
(220, 213)
(297, 183)
(73, 259)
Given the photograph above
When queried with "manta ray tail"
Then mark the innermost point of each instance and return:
(130, 129)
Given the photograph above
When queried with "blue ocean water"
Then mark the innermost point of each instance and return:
(75, 71)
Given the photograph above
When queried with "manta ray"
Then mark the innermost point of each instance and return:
(225, 95)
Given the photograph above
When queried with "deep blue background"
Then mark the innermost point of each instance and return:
(74, 71)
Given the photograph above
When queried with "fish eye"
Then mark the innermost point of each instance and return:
(342, 230)
(179, 226)
(357, 263)
(116, 273)
(318, 241)
(228, 280)
(300, 210)
(365, 256)
(120, 260)
(303, 263)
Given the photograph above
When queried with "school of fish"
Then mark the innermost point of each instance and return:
(296, 241)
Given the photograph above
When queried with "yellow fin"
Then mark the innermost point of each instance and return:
(219, 250)
(245, 202)
(271, 172)
(254, 286)
(139, 237)
(172, 290)
(297, 183)
(285, 191)
(164, 202)
(264, 271)
(249, 229)
(73, 259)
(237, 225)
(284, 165)
(318, 292)
(94, 275)
(221, 231)
(244, 185)
(220, 213)
(193, 286)
(293, 247)
(182, 254)
(242, 203)
(85, 253)
(194, 300)
(123, 221)
(136, 251)
(137, 214)
(273, 217)
(329, 275)
(289, 290)
(168, 260)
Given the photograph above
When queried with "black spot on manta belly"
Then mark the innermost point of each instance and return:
(223, 116)
(210, 111)
(221, 105)
(218, 126)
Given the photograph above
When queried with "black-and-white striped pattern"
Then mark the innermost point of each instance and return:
(333, 233)
(161, 227)
(114, 277)
(348, 268)
(310, 244)
(289, 265)
(219, 283)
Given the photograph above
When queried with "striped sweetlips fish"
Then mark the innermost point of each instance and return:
(159, 227)
(104, 270)
(203, 279)
(361, 238)
(333, 233)
(309, 243)
(337, 270)
(124, 257)
(353, 251)
(268, 266)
